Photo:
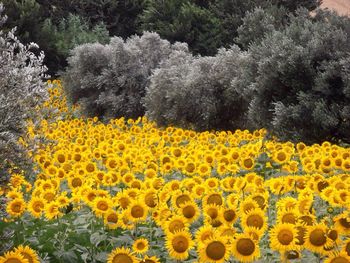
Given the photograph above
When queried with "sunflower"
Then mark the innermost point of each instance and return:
(111, 219)
(254, 218)
(212, 212)
(121, 255)
(101, 205)
(16, 207)
(140, 246)
(36, 206)
(245, 248)
(28, 254)
(150, 198)
(52, 210)
(137, 211)
(175, 223)
(341, 257)
(214, 250)
(316, 238)
(247, 163)
(178, 244)
(190, 211)
(229, 215)
(13, 257)
(283, 237)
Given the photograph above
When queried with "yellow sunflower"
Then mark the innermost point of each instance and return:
(283, 237)
(316, 238)
(16, 207)
(179, 244)
(255, 218)
(36, 206)
(140, 246)
(137, 211)
(190, 211)
(214, 250)
(28, 254)
(121, 255)
(245, 248)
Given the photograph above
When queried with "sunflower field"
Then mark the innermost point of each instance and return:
(128, 191)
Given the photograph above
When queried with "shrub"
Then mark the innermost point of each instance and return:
(296, 80)
(110, 80)
(21, 89)
(191, 91)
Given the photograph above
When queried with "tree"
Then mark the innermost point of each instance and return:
(183, 21)
(110, 80)
(21, 89)
(296, 79)
(190, 92)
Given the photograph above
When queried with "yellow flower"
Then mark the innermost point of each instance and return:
(36, 206)
(254, 218)
(214, 250)
(28, 254)
(283, 237)
(245, 248)
(137, 211)
(179, 244)
(140, 246)
(148, 259)
(316, 238)
(16, 207)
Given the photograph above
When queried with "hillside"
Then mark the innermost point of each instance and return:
(341, 6)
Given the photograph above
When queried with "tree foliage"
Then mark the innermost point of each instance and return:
(190, 91)
(296, 80)
(21, 89)
(110, 80)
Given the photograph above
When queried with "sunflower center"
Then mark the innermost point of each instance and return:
(112, 218)
(38, 207)
(248, 163)
(16, 207)
(215, 199)
(122, 258)
(317, 237)
(344, 223)
(180, 244)
(288, 218)
(213, 213)
(339, 259)
(216, 250)
(76, 182)
(102, 206)
(189, 211)
(229, 215)
(245, 246)
(140, 245)
(255, 221)
(150, 200)
(137, 211)
(285, 237)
